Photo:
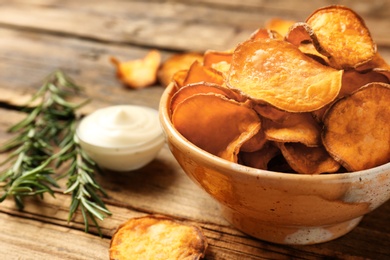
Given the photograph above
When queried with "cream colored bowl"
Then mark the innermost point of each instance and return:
(280, 207)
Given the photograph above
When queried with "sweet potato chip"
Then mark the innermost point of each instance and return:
(263, 33)
(199, 73)
(198, 88)
(377, 62)
(139, 73)
(179, 77)
(218, 60)
(255, 143)
(343, 36)
(212, 57)
(308, 160)
(157, 237)
(279, 25)
(295, 127)
(270, 112)
(174, 63)
(302, 35)
(277, 72)
(352, 81)
(216, 124)
(357, 130)
(259, 159)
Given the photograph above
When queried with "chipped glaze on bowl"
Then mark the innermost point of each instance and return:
(279, 207)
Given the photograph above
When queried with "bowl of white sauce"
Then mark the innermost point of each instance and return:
(121, 137)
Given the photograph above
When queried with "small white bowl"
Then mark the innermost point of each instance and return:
(122, 137)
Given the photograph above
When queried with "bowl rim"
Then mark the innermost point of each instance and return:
(168, 128)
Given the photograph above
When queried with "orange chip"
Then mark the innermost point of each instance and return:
(352, 81)
(294, 127)
(270, 112)
(175, 63)
(255, 143)
(199, 73)
(279, 25)
(212, 57)
(357, 130)
(303, 36)
(263, 33)
(277, 72)
(259, 159)
(343, 36)
(198, 88)
(218, 60)
(139, 73)
(377, 62)
(179, 77)
(216, 124)
(308, 160)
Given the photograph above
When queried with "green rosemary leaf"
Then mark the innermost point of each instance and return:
(50, 123)
(27, 121)
(92, 208)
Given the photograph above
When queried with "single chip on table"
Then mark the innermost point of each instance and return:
(216, 124)
(308, 160)
(174, 63)
(357, 130)
(343, 36)
(157, 237)
(278, 73)
(139, 73)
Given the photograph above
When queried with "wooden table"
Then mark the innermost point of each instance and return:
(79, 37)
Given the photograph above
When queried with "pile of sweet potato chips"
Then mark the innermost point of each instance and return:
(310, 99)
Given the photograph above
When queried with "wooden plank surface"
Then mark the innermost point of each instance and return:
(39, 36)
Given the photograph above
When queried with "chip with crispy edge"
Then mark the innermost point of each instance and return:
(259, 159)
(263, 33)
(279, 25)
(216, 124)
(174, 63)
(200, 73)
(157, 237)
(179, 77)
(357, 130)
(352, 81)
(277, 72)
(308, 160)
(212, 57)
(201, 87)
(295, 127)
(218, 60)
(255, 143)
(139, 73)
(343, 36)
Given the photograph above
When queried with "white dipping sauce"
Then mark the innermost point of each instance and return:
(122, 137)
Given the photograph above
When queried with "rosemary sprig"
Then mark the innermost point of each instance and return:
(50, 124)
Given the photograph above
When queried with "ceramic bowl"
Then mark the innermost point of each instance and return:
(279, 207)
